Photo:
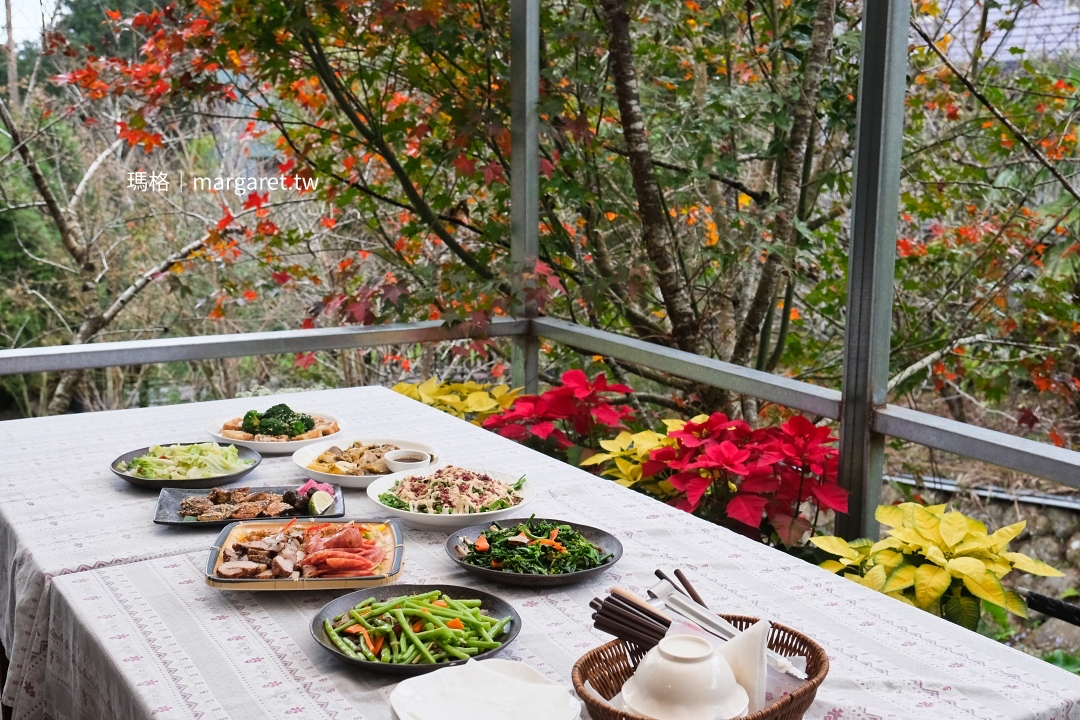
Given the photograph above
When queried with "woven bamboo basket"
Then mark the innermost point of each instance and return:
(607, 667)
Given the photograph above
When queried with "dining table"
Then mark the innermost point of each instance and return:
(104, 614)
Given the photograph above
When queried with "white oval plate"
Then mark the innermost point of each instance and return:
(447, 692)
(273, 448)
(453, 521)
(307, 454)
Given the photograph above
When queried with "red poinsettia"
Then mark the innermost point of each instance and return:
(568, 415)
(722, 466)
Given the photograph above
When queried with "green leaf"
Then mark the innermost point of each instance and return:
(954, 527)
(963, 611)
(834, 546)
(891, 515)
(988, 587)
(832, 566)
(931, 582)
(1015, 604)
(966, 567)
(875, 579)
(1023, 563)
(900, 579)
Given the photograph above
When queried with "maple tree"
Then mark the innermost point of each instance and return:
(695, 176)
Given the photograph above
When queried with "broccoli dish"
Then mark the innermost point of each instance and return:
(279, 423)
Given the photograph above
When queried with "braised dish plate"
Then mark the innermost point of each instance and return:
(491, 605)
(168, 508)
(310, 453)
(605, 541)
(244, 453)
(389, 539)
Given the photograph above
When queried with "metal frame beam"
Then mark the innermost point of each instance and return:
(878, 146)
(525, 178)
(205, 347)
(997, 448)
(735, 378)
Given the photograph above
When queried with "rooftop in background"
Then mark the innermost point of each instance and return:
(1041, 28)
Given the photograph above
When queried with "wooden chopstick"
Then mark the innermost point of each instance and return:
(656, 618)
(630, 617)
(664, 576)
(641, 605)
(690, 589)
(626, 632)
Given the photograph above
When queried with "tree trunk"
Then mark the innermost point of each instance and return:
(12, 62)
(659, 245)
(789, 184)
(64, 393)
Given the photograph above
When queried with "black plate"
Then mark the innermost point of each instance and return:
(168, 507)
(607, 543)
(490, 605)
(216, 481)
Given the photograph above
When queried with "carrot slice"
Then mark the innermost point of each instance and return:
(554, 533)
(417, 626)
(367, 638)
(481, 544)
(439, 603)
(455, 623)
(353, 629)
(378, 645)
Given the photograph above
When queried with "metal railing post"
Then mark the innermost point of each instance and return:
(525, 176)
(882, 84)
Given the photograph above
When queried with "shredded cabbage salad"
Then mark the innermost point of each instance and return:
(186, 462)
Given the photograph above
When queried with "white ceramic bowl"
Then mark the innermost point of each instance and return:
(307, 454)
(274, 448)
(684, 678)
(405, 460)
(451, 521)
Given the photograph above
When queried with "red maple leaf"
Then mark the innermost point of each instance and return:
(493, 172)
(305, 361)
(256, 201)
(465, 166)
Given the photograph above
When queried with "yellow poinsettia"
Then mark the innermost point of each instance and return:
(470, 400)
(936, 559)
(627, 453)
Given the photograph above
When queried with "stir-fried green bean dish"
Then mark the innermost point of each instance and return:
(535, 547)
(412, 629)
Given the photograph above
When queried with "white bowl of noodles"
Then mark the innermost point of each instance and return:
(447, 498)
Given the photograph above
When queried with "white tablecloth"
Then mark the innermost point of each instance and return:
(144, 639)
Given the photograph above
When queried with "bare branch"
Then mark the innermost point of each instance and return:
(934, 357)
(70, 232)
(146, 278)
(85, 182)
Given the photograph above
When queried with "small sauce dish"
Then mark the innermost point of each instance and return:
(403, 460)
